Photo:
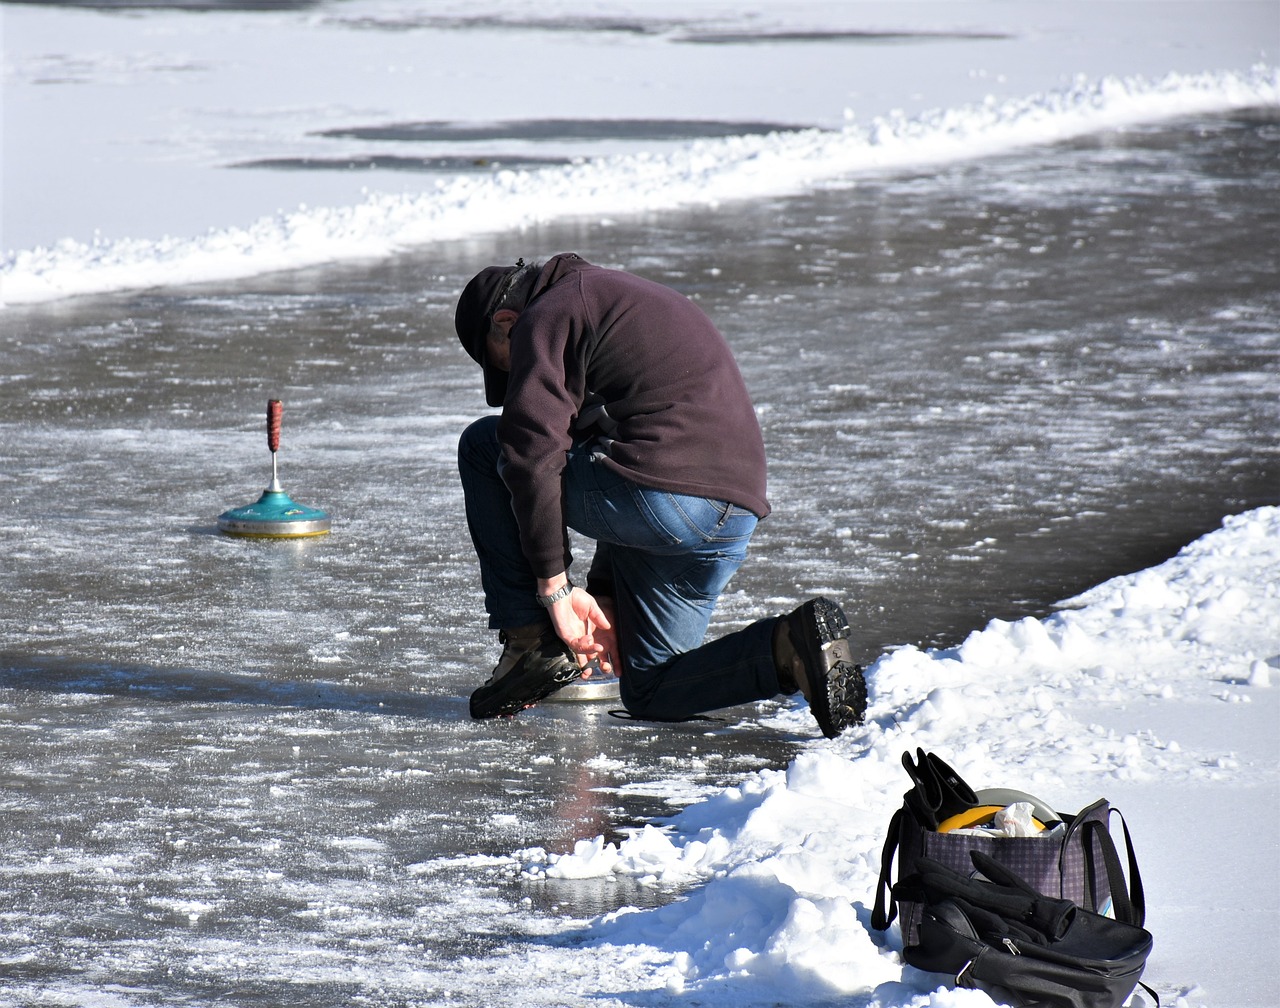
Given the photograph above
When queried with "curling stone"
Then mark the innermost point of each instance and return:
(600, 686)
(274, 515)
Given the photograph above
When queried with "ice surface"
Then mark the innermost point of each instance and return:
(241, 773)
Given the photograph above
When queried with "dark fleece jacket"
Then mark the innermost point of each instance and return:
(676, 413)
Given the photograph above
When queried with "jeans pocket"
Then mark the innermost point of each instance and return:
(694, 521)
(667, 516)
(624, 521)
(608, 508)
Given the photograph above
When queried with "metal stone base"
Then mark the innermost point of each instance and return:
(601, 686)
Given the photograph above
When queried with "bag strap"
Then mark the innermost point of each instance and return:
(1137, 895)
(881, 915)
(1129, 901)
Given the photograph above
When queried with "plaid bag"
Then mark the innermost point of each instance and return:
(1080, 863)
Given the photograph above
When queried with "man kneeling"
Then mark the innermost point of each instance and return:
(625, 417)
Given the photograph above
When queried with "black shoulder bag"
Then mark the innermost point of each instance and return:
(1000, 935)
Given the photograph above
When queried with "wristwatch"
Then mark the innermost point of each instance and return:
(547, 601)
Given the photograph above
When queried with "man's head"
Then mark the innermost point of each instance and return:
(487, 309)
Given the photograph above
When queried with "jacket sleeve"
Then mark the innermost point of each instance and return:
(544, 394)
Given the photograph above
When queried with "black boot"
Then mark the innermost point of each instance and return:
(534, 664)
(811, 652)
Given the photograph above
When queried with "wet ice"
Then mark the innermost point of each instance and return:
(242, 772)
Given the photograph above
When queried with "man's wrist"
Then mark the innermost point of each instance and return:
(550, 599)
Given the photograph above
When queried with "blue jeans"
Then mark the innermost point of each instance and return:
(668, 557)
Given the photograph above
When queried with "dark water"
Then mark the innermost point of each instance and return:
(983, 389)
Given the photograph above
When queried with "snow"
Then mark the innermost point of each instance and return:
(1156, 690)
(152, 114)
(1089, 702)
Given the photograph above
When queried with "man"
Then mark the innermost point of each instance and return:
(624, 417)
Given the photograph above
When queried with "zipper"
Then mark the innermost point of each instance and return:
(1013, 949)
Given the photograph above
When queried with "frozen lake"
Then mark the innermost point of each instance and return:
(1010, 312)
(243, 771)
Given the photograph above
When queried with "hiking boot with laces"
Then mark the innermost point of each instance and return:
(811, 651)
(534, 664)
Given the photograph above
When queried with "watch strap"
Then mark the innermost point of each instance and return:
(563, 592)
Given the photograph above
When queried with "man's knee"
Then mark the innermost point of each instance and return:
(482, 431)
(478, 445)
(637, 691)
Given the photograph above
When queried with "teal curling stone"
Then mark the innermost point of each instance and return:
(275, 515)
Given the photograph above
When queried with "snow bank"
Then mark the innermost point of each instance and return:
(789, 859)
(703, 173)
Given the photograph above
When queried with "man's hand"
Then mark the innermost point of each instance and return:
(581, 623)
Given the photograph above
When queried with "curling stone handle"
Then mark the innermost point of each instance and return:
(275, 410)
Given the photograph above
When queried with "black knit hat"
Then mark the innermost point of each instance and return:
(480, 299)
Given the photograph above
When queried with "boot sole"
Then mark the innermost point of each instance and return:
(838, 692)
(521, 689)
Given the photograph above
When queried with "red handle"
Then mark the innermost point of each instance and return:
(275, 410)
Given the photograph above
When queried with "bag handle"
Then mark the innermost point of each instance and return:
(882, 915)
(1128, 901)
